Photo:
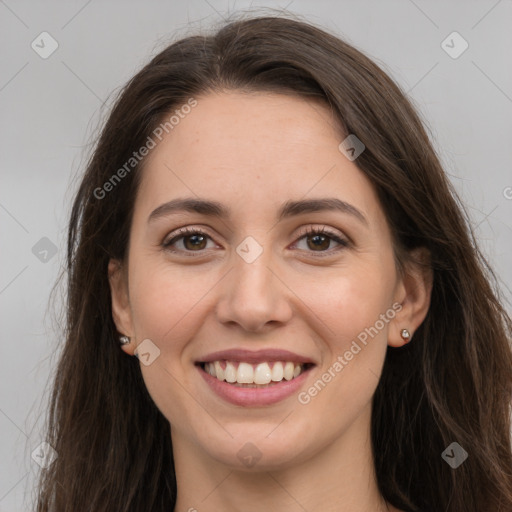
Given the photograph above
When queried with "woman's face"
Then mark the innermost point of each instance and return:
(256, 289)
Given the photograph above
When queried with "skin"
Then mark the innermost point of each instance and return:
(252, 152)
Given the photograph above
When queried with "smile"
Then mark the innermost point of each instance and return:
(254, 375)
(251, 379)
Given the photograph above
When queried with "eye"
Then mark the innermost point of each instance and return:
(194, 240)
(319, 240)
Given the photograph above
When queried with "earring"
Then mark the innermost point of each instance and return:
(124, 340)
(406, 335)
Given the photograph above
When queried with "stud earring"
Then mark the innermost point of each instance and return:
(124, 340)
(406, 335)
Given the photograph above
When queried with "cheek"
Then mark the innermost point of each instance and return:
(357, 308)
(156, 305)
(348, 301)
(166, 302)
(165, 308)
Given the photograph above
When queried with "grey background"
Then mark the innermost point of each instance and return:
(51, 107)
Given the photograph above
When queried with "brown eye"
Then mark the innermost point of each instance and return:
(193, 240)
(196, 242)
(319, 240)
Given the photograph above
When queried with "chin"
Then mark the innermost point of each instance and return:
(249, 449)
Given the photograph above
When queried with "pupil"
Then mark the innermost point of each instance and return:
(316, 238)
(197, 242)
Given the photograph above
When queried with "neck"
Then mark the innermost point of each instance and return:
(339, 478)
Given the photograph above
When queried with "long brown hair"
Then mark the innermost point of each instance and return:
(452, 383)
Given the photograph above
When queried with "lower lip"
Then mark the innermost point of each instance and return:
(254, 397)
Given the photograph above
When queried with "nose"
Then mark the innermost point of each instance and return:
(253, 296)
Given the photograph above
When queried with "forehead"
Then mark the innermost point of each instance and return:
(254, 150)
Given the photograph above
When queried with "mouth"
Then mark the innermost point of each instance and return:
(246, 378)
(252, 375)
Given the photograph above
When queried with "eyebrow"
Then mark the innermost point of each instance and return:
(288, 209)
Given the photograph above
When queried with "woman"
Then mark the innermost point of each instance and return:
(275, 301)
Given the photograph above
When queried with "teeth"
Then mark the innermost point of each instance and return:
(230, 373)
(288, 371)
(277, 372)
(261, 374)
(245, 374)
(219, 372)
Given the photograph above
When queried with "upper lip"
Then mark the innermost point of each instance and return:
(258, 356)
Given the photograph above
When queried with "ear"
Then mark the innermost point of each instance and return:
(121, 311)
(413, 294)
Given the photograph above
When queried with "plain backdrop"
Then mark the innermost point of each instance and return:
(51, 107)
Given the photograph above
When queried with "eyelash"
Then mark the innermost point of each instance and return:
(183, 232)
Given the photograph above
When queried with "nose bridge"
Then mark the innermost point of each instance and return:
(252, 271)
(254, 296)
(253, 279)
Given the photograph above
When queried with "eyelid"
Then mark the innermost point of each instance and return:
(183, 232)
(341, 239)
(324, 230)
